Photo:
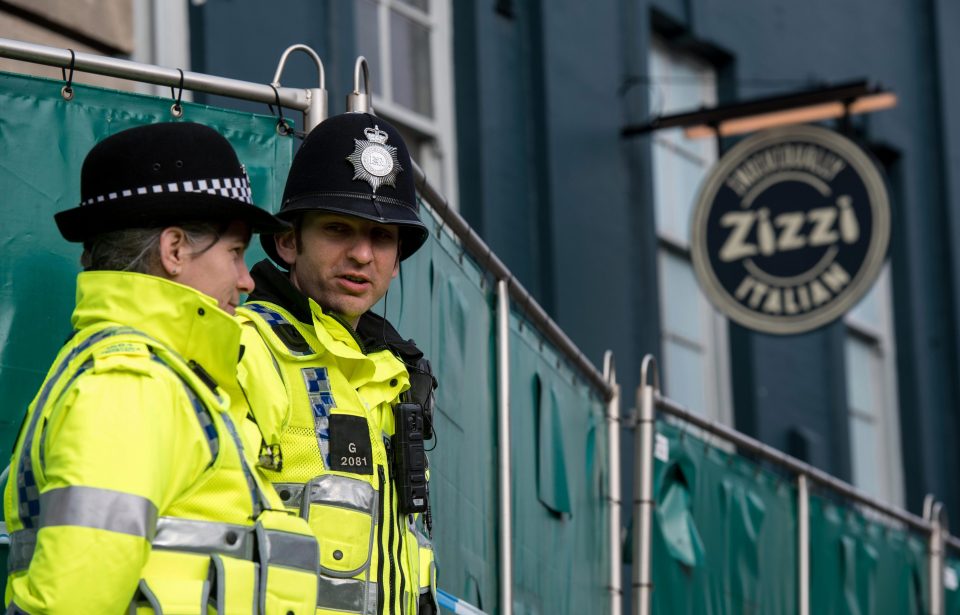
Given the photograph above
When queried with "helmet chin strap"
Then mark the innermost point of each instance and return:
(383, 324)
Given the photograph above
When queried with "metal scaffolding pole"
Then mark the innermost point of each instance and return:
(503, 389)
(291, 98)
(934, 513)
(647, 394)
(614, 497)
(803, 544)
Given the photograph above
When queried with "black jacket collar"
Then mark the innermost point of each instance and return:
(273, 286)
(374, 332)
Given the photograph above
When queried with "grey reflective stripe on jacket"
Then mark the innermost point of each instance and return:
(334, 490)
(171, 534)
(328, 489)
(22, 545)
(299, 551)
(276, 548)
(76, 506)
(103, 509)
(347, 595)
(205, 537)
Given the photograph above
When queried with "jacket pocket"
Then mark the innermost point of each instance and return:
(341, 513)
(288, 564)
(180, 583)
(232, 585)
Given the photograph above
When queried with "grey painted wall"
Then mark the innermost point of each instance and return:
(244, 39)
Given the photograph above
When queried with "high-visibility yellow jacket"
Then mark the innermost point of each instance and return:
(129, 488)
(324, 400)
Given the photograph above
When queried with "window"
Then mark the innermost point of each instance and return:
(407, 45)
(695, 364)
(872, 395)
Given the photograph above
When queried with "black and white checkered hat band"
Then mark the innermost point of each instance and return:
(237, 188)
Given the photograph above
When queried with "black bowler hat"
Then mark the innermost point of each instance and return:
(162, 174)
(355, 164)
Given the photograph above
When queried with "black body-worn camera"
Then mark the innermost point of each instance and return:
(409, 458)
(422, 384)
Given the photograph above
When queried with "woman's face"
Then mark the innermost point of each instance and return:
(218, 270)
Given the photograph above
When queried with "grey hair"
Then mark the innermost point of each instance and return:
(138, 249)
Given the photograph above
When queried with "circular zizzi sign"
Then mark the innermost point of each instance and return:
(790, 229)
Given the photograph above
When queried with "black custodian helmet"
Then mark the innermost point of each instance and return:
(355, 164)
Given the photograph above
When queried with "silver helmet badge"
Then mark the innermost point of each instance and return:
(374, 161)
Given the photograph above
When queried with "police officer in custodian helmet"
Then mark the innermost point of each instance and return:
(343, 402)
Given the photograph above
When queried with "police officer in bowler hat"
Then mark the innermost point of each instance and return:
(129, 488)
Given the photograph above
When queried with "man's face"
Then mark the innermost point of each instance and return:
(343, 263)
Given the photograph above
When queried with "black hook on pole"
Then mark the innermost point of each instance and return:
(67, 90)
(283, 128)
(177, 109)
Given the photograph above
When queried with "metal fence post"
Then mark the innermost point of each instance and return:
(316, 110)
(933, 512)
(614, 496)
(503, 386)
(803, 544)
(643, 485)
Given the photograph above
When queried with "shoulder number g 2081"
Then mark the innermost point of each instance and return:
(353, 460)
